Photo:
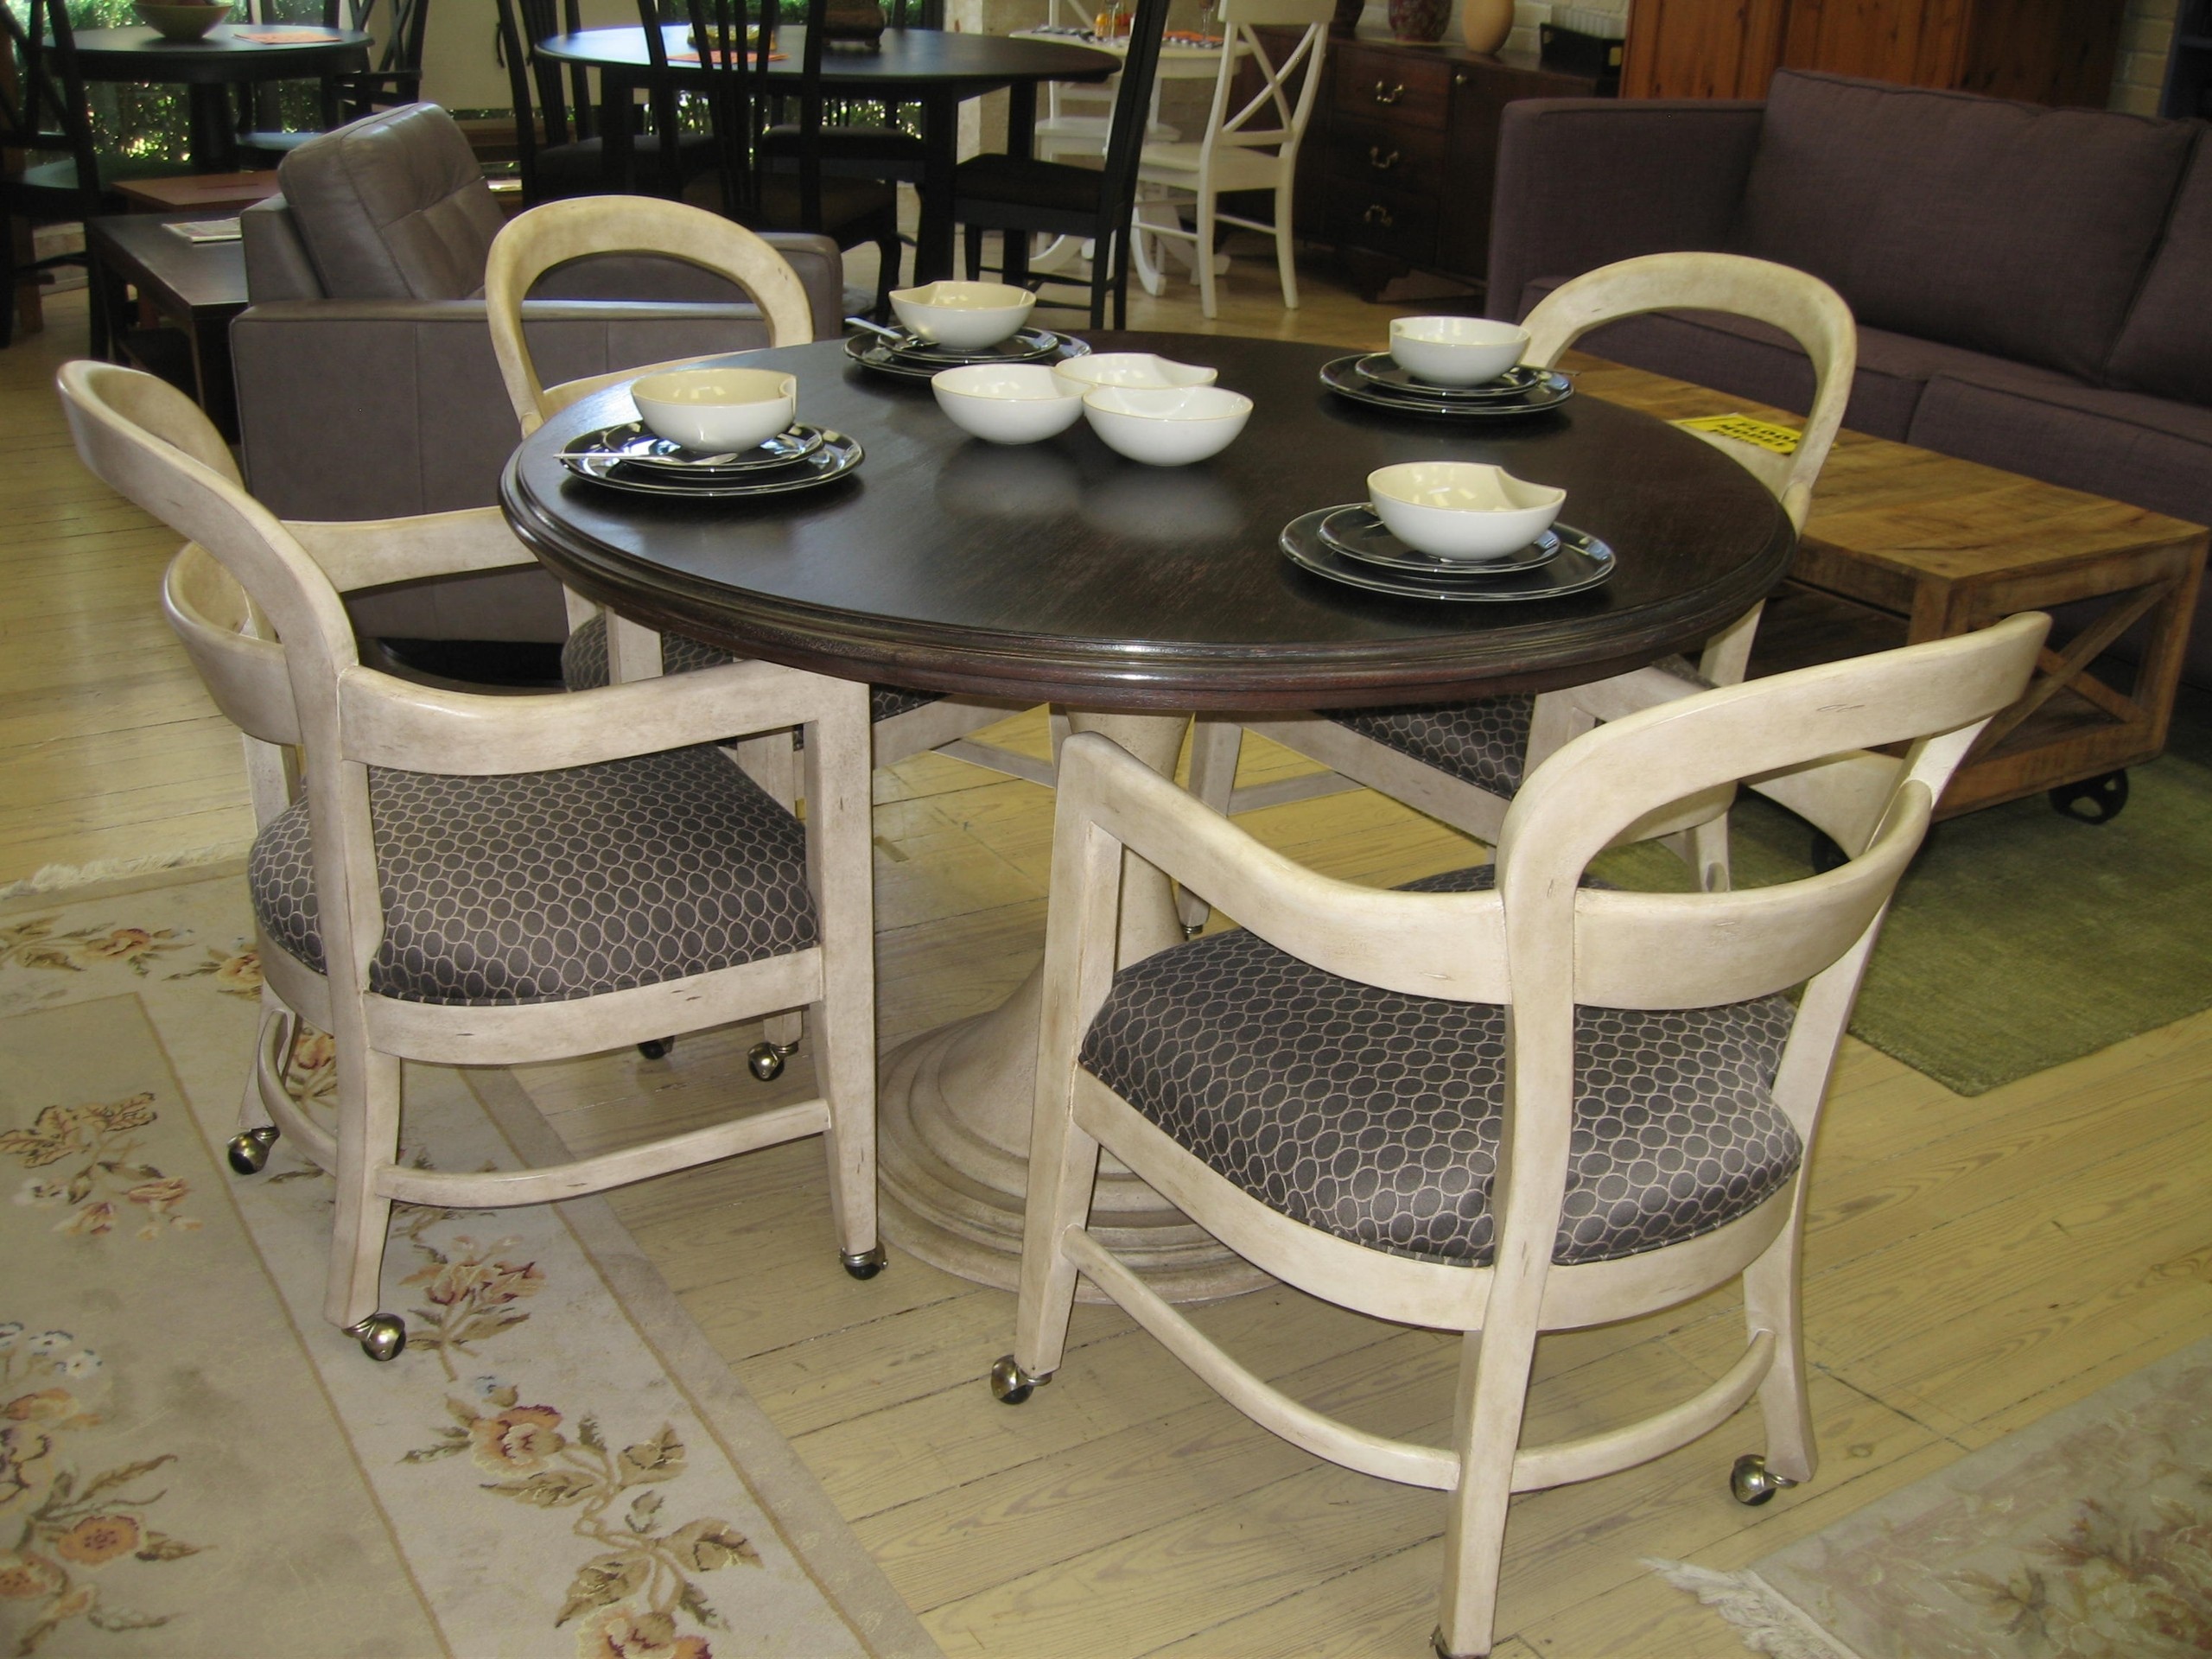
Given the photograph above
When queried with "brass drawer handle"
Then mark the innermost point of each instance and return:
(1458, 77)
(1378, 161)
(1377, 214)
(1389, 95)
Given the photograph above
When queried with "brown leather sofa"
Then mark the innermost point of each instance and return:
(366, 384)
(2033, 286)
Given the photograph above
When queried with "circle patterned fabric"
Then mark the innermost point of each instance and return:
(1484, 742)
(583, 668)
(1376, 1117)
(545, 886)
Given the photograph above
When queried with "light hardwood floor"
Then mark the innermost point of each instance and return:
(1973, 1264)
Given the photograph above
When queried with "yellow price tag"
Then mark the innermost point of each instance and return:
(1766, 435)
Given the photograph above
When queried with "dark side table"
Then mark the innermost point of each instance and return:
(198, 286)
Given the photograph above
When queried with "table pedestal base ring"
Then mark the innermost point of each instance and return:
(953, 1110)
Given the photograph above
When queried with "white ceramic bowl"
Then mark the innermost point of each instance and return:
(1011, 403)
(1132, 369)
(1456, 350)
(966, 316)
(1169, 427)
(712, 411)
(1458, 510)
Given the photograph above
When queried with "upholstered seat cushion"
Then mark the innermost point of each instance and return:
(1375, 1117)
(541, 886)
(583, 668)
(1023, 181)
(1483, 742)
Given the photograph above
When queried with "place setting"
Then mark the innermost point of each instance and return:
(714, 434)
(1456, 368)
(1454, 531)
(949, 324)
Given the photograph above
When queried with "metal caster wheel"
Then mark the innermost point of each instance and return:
(1751, 1482)
(2093, 800)
(657, 1048)
(382, 1336)
(864, 1264)
(249, 1150)
(1010, 1384)
(766, 1060)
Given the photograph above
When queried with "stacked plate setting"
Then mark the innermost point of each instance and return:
(630, 457)
(1380, 381)
(1350, 544)
(912, 358)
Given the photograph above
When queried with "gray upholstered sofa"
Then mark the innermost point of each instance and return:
(366, 384)
(2033, 286)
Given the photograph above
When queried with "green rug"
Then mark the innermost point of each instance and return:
(2020, 938)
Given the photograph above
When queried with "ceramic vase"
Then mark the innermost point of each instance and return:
(1419, 20)
(1483, 24)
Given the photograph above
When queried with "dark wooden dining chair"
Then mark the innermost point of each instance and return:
(880, 148)
(1018, 196)
(559, 149)
(796, 191)
(43, 114)
(396, 78)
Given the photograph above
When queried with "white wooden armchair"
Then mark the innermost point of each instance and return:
(482, 881)
(1463, 762)
(1498, 1102)
(904, 722)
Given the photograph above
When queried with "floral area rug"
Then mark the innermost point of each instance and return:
(193, 1462)
(2086, 1536)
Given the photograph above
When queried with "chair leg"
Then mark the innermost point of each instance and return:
(888, 249)
(368, 1142)
(249, 1148)
(1285, 250)
(779, 1040)
(972, 236)
(1207, 201)
(1771, 1304)
(1215, 745)
(1493, 1391)
(1062, 1170)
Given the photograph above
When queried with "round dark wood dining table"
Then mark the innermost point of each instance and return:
(934, 67)
(1131, 595)
(225, 57)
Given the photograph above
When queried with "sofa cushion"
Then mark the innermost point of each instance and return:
(1752, 359)
(2001, 227)
(392, 206)
(2166, 347)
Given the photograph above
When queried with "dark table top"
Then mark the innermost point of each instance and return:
(137, 52)
(907, 59)
(203, 279)
(1059, 570)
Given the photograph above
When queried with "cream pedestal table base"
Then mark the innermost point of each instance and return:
(953, 1113)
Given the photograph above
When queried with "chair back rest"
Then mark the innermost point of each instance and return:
(1803, 733)
(392, 206)
(42, 103)
(556, 233)
(1802, 306)
(545, 115)
(1132, 111)
(735, 43)
(1274, 115)
(229, 642)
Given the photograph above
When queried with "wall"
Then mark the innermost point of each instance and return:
(2141, 74)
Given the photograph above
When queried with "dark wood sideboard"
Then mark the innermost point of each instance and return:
(1397, 168)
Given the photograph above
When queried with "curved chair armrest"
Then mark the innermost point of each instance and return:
(373, 552)
(386, 721)
(1423, 944)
